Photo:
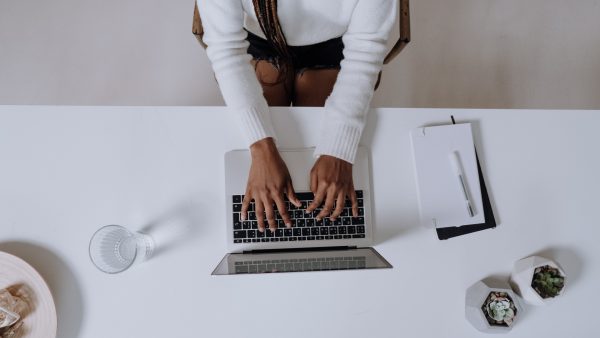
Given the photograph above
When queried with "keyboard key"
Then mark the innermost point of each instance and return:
(293, 239)
(279, 233)
(342, 230)
(324, 231)
(269, 233)
(301, 222)
(251, 234)
(346, 221)
(311, 238)
(239, 234)
(254, 240)
(305, 232)
(351, 230)
(319, 223)
(287, 232)
(237, 241)
(251, 215)
(246, 240)
(253, 224)
(305, 196)
(338, 221)
(337, 237)
(329, 237)
(358, 236)
(283, 239)
(361, 212)
(297, 232)
(319, 238)
(247, 225)
(359, 194)
(301, 238)
(298, 214)
(346, 212)
(360, 229)
(314, 231)
(264, 239)
(260, 234)
(236, 217)
(333, 230)
(237, 199)
(347, 236)
(310, 222)
(326, 222)
(237, 207)
(360, 202)
(237, 225)
(358, 220)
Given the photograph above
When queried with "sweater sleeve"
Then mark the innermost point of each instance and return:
(364, 50)
(227, 49)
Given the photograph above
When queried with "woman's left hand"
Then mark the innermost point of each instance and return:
(330, 182)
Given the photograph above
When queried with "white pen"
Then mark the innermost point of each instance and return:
(457, 168)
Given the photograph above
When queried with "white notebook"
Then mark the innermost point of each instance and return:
(442, 201)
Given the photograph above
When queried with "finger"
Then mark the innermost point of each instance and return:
(245, 206)
(260, 214)
(268, 204)
(328, 207)
(283, 210)
(291, 194)
(339, 205)
(313, 182)
(352, 196)
(319, 197)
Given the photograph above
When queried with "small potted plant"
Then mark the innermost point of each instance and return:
(491, 306)
(499, 309)
(538, 280)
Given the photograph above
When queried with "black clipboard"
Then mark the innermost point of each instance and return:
(490, 220)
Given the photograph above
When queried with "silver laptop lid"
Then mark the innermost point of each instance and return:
(299, 163)
(303, 261)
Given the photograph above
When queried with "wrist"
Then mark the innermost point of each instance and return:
(264, 147)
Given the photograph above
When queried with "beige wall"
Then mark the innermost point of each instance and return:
(464, 53)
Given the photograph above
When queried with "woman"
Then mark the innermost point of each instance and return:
(305, 53)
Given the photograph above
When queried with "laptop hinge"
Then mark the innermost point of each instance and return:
(325, 248)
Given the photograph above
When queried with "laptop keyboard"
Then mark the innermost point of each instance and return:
(305, 227)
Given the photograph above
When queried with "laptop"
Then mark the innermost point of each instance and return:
(310, 245)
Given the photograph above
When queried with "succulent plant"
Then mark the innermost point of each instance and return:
(547, 281)
(499, 309)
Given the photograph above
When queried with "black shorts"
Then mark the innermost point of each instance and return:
(326, 54)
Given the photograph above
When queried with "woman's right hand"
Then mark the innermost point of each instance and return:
(268, 181)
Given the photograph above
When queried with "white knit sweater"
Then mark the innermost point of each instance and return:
(364, 26)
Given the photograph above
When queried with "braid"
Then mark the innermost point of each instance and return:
(266, 13)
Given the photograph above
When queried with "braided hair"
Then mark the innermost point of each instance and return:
(266, 13)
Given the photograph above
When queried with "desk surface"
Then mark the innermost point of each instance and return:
(66, 171)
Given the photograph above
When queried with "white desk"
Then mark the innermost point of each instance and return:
(66, 171)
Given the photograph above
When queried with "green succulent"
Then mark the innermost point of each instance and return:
(547, 281)
(499, 309)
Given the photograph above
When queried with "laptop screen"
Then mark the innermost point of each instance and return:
(322, 260)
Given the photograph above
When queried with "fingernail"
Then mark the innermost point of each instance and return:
(272, 229)
(243, 217)
(261, 229)
(288, 225)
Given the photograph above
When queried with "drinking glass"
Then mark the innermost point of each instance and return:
(114, 248)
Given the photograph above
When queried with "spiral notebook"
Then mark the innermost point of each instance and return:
(453, 204)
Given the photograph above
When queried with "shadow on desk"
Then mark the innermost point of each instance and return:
(62, 283)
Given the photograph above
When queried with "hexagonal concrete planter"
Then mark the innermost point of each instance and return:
(522, 277)
(475, 299)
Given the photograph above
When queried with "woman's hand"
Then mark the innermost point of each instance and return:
(268, 181)
(331, 181)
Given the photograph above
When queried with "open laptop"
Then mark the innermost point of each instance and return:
(310, 245)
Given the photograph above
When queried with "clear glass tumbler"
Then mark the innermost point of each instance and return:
(114, 249)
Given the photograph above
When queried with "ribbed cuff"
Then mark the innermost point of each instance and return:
(256, 124)
(339, 140)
